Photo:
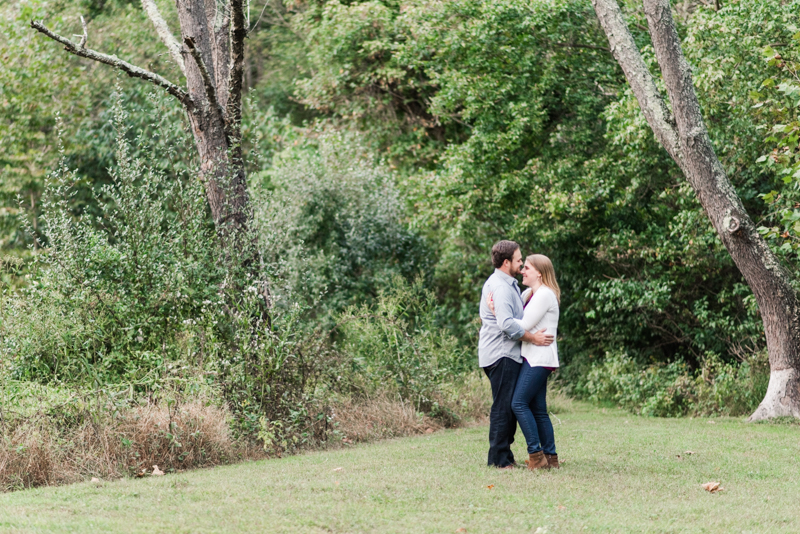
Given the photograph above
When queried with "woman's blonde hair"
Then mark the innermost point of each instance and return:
(543, 264)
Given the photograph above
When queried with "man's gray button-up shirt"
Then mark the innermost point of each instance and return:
(500, 333)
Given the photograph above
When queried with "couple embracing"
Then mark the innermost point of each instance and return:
(517, 351)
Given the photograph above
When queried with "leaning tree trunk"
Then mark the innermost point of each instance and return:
(686, 139)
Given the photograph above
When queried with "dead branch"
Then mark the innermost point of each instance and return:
(129, 69)
(208, 83)
(85, 36)
(164, 33)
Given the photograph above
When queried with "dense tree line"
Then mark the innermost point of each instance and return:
(486, 119)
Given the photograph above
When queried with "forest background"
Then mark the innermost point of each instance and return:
(388, 146)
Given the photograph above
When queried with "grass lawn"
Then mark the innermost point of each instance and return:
(622, 473)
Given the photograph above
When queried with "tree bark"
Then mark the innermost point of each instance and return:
(210, 56)
(686, 139)
(208, 78)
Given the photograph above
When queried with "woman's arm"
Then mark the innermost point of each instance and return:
(535, 310)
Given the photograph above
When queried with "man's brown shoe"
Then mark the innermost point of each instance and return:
(552, 461)
(537, 461)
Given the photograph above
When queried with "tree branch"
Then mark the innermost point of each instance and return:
(211, 91)
(85, 36)
(129, 69)
(236, 80)
(164, 33)
(651, 102)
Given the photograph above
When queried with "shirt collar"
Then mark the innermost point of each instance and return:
(510, 280)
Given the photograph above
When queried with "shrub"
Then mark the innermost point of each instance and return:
(109, 297)
(669, 390)
(331, 225)
(146, 296)
(395, 345)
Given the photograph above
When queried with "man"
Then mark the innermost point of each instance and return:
(499, 347)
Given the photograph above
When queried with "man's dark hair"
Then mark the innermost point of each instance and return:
(502, 251)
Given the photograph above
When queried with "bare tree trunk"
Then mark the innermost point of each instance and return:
(206, 51)
(210, 54)
(686, 139)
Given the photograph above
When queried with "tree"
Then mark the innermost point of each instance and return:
(211, 57)
(682, 133)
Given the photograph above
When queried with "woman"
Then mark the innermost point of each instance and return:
(529, 403)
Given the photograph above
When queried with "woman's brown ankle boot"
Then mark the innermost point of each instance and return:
(537, 461)
(552, 461)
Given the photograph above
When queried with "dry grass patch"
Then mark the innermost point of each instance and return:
(380, 417)
(37, 451)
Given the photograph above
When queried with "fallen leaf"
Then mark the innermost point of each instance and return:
(157, 472)
(338, 469)
(429, 431)
(490, 486)
(688, 452)
(336, 482)
(348, 441)
(712, 422)
(95, 480)
(141, 473)
(462, 529)
(712, 487)
(678, 456)
(562, 507)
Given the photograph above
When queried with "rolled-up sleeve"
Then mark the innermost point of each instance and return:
(504, 310)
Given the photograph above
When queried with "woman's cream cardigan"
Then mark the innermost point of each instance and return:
(540, 312)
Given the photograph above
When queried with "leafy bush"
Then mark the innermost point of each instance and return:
(670, 390)
(110, 296)
(395, 345)
(145, 295)
(331, 222)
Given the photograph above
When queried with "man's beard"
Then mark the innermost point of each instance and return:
(515, 272)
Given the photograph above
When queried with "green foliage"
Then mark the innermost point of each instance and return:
(545, 145)
(41, 82)
(673, 389)
(145, 297)
(109, 296)
(778, 101)
(396, 344)
(331, 224)
(396, 140)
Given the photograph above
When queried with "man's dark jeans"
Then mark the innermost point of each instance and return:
(502, 422)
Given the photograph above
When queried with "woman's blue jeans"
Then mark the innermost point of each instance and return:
(530, 406)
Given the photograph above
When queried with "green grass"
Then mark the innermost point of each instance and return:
(622, 474)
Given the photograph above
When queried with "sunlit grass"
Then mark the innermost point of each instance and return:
(622, 473)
